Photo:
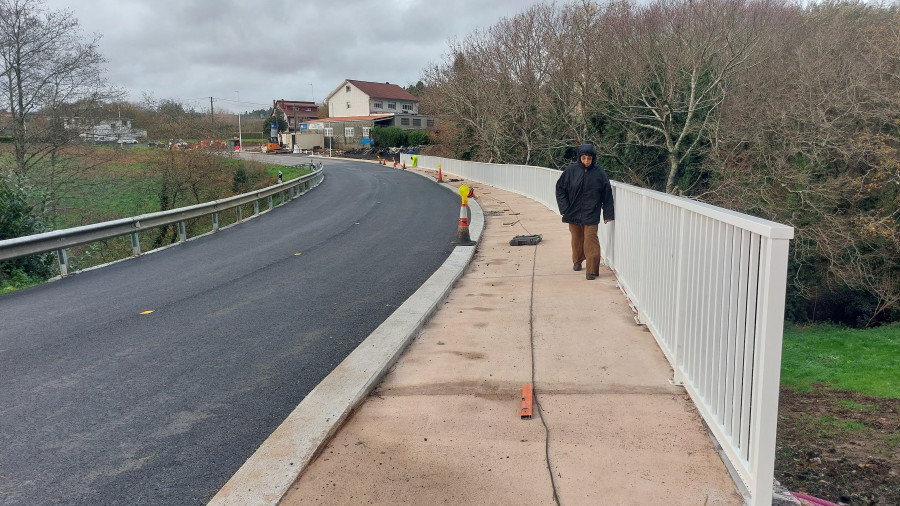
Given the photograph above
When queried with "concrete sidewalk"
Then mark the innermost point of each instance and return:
(443, 427)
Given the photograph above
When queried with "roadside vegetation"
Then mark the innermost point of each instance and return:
(839, 414)
(112, 184)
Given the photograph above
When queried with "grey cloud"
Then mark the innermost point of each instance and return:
(274, 48)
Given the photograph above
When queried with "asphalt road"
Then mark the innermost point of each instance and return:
(100, 404)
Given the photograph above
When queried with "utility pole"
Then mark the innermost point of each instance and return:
(212, 119)
(240, 138)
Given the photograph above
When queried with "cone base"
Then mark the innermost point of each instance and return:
(462, 237)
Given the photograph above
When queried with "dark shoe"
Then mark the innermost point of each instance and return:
(576, 267)
(591, 277)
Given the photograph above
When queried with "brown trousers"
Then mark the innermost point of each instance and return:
(586, 246)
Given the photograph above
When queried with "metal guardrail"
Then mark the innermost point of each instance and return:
(709, 283)
(60, 240)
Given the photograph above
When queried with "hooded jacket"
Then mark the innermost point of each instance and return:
(582, 193)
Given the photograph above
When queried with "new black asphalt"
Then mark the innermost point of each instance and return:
(100, 404)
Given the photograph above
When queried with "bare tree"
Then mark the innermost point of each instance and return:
(669, 69)
(44, 62)
(809, 137)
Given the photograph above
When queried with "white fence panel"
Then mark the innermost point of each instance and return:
(709, 283)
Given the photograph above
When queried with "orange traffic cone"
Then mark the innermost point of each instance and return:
(404, 165)
(440, 175)
(462, 230)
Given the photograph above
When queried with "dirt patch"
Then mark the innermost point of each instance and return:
(840, 446)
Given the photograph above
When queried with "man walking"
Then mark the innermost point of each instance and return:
(582, 193)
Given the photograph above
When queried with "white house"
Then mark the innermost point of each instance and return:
(363, 98)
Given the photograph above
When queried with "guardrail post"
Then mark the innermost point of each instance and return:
(215, 217)
(282, 198)
(270, 203)
(239, 212)
(135, 243)
(63, 262)
(255, 207)
(182, 233)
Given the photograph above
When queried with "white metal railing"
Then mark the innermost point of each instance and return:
(709, 283)
(60, 240)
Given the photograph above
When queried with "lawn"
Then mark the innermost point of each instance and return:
(839, 414)
(865, 361)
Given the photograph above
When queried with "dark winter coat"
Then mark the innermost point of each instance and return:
(583, 192)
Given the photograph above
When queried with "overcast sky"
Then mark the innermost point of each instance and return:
(273, 49)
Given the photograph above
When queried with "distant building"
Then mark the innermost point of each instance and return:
(107, 130)
(363, 98)
(296, 112)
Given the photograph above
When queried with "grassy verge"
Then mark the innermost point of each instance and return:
(839, 414)
(865, 361)
(113, 183)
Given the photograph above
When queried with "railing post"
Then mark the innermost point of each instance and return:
(182, 233)
(63, 262)
(255, 207)
(135, 243)
(680, 301)
(239, 213)
(215, 218)
(770, 329)
(641, 287)
(270, 203)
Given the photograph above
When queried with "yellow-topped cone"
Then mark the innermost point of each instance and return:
(462, 231)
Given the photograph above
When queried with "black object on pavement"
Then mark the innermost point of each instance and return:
(525, 240)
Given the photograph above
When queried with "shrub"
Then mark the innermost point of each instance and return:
(389, 137)
(419, 137)
(18, 218)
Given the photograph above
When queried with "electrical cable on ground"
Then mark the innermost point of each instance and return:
(537, 402)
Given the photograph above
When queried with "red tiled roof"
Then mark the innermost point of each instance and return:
(298, 106)
(383, 90)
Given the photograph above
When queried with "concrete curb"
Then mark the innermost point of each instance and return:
(268, 474)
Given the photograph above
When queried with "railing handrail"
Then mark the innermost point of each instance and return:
(709, 283)
(66, 238)
(753, 224)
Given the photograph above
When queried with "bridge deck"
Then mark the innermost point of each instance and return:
(444, 425)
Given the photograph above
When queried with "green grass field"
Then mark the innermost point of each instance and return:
(129, 189)
(865, 361)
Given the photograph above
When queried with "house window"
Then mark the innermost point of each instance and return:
(407, 107)
(366, 131)
(348, 88)
(348, 131)
(378, 105)
(392, 105)
(429, 123)
(417, 122)
(404, 121)
(329, 132)
(348, 105)
(308, 109)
